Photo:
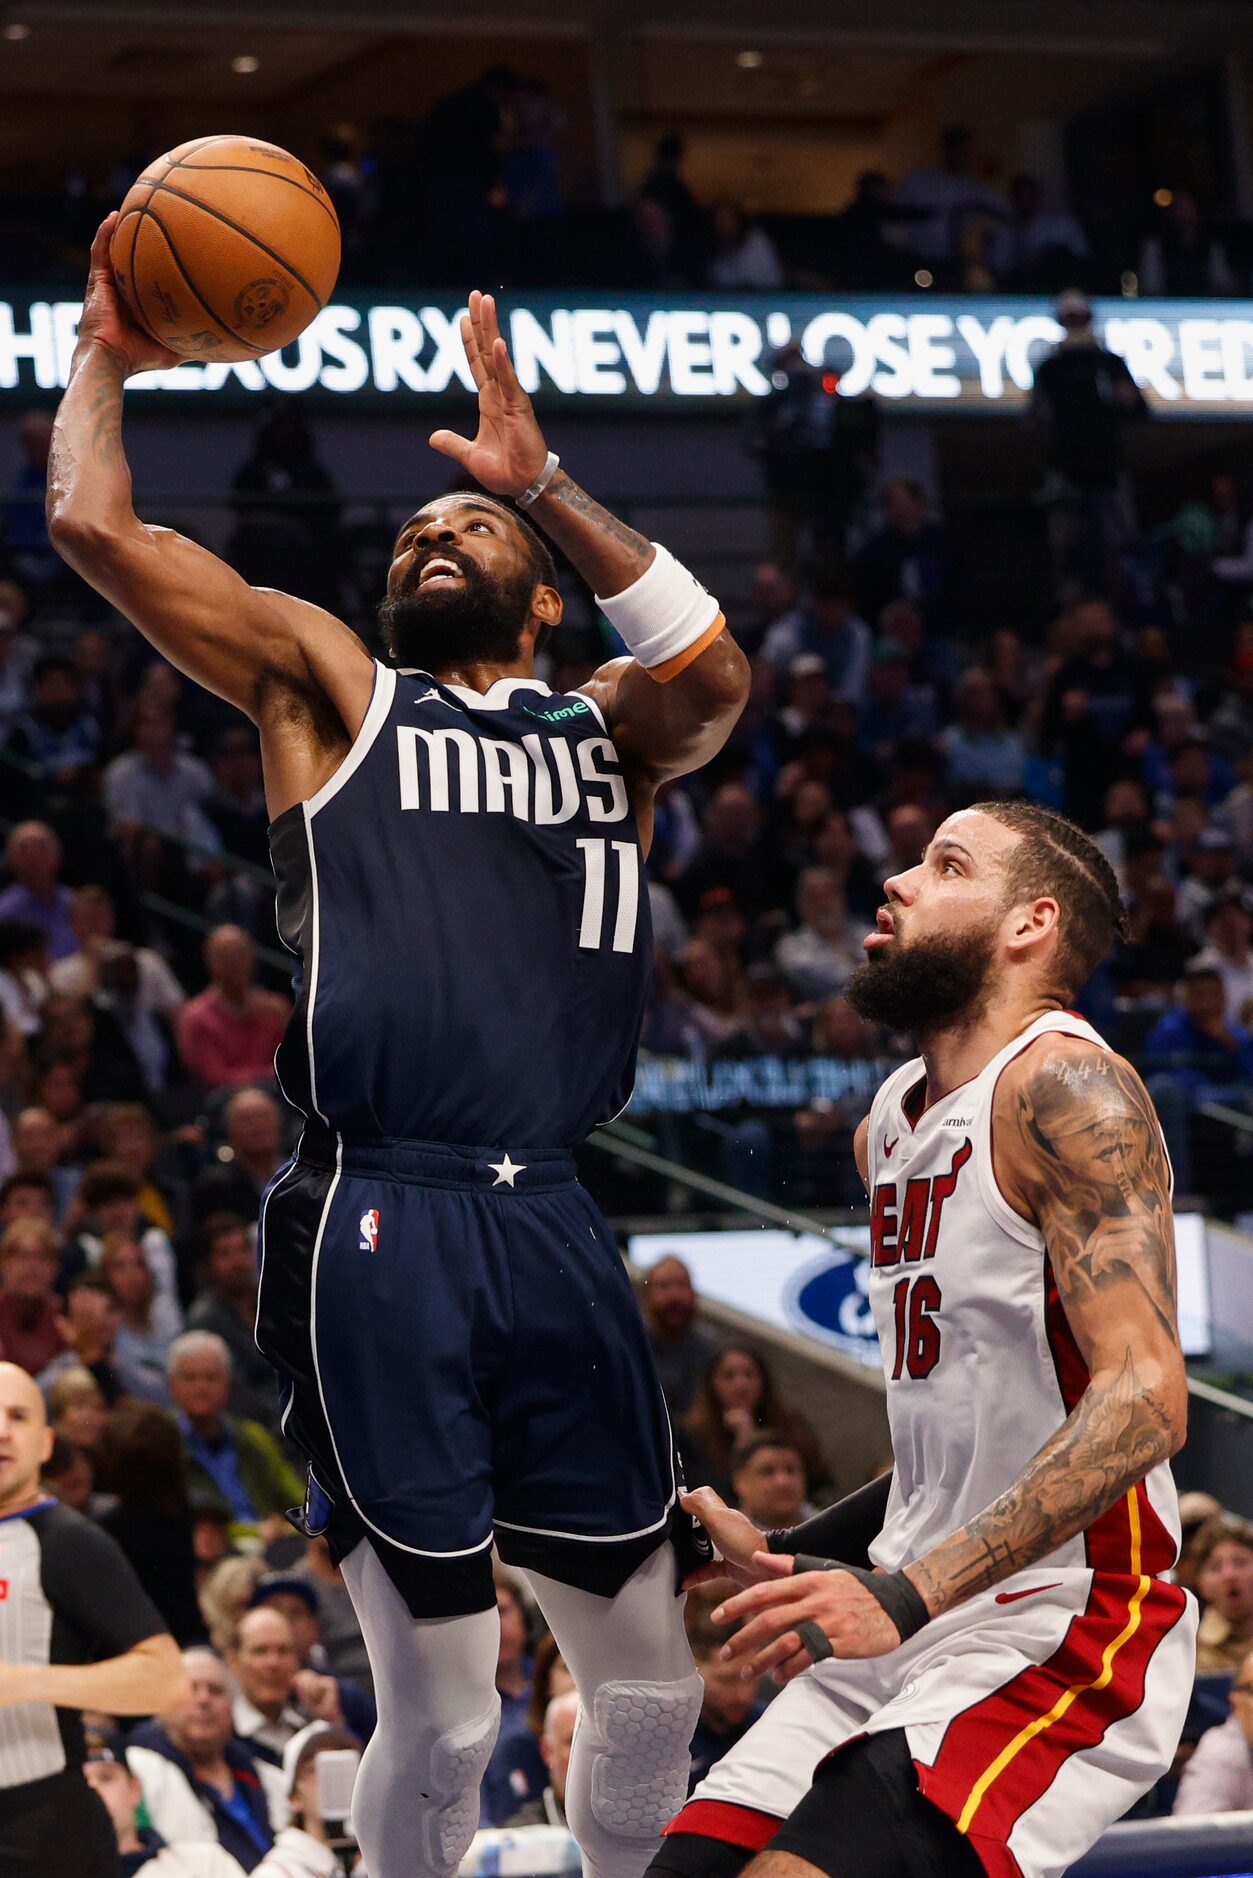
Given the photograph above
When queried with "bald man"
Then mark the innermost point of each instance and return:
(682, 1351)
(76, 1631)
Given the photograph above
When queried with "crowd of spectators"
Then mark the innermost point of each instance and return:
(479, 187)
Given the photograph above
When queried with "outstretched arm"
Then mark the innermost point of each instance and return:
(668, 718)
(239, 642)
(1079, 1153)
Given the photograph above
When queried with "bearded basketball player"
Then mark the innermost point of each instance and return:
(458, 854)
(985, 1662)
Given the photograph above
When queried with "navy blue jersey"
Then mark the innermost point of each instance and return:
(466, 899)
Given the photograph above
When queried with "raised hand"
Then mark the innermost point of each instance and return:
(509, 451)
(107, 321)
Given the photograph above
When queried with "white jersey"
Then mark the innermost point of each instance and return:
(1039, 1710)
(980, 1362)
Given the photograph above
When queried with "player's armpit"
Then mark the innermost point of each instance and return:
(861, 1151)
(671, 729)
(1079, 1151)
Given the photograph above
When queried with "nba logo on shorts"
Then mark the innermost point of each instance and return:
(370, 1230)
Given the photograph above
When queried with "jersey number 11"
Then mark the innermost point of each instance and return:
(596, 852)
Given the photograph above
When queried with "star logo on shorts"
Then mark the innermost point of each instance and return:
(506, 1171)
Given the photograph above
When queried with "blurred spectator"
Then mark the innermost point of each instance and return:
(736, 1397)
(773, 602)
(864, 255)
(17, 656)
(826, 626)
(815, 449)
(896, 712)
(682, 1351)
(825, 948)
(23, 974)
(86, 1037)
(461, 168)
(1083, 399)
(768, 1480)
(236, 805)
(275, 1698)
(57, 736)
(909, 556)
(515, 1771)
(1219, 1776)
(1097, 699)
(731, 1702)
(1228, 949)
(22, 522)
(952, 194)
(30, 1312)
(303, 1848)
(226, 1588)
(68, 1475)
(128, 1135)
(141, 1848)
(34, 859)
(142, 1465)
(534, 122)
(1040, 250)
(984, 757)
(549, 1807)
(94, 923)
(288, 506)
(1222, 1559)
(26, 1194)
(298, 1601)
(1211, 875)
(142, 1345)
(77, 1409)
(744, 257)
(89, 1324)
(199, 1780)
(666, 191)
(155, 787)
(1196, 1041)
(229, 1032)
(338, 1626)
(230, 1460)
(227, 1306)
(109, 1202)
(248, 1159)
(1156, 952)
(1182, 256)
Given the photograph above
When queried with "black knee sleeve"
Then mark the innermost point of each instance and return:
(691, 1855)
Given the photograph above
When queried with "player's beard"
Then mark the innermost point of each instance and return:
(921, 984)
(434, 627)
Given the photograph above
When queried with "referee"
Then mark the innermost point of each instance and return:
(76, 1631)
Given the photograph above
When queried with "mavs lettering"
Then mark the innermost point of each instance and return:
(546, 781)
(911, 1234)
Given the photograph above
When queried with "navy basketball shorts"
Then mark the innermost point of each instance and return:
(462, 1360)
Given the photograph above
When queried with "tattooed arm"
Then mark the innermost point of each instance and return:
(661, 730)
(1079, 1153)
(302, 676)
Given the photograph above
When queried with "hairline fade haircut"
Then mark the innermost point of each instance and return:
(543, 566)
(1055, 856)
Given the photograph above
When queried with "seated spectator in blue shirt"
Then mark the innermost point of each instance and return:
(199, 1780)
(984, 758)
(230, 1461)
(896, 711)
(33, 855)
(1196, 1043)
(57, 735)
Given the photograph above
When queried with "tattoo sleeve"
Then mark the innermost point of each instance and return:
(88, 474)
(608, 554)
(1086, 1153)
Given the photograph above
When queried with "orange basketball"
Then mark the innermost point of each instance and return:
(226, 248)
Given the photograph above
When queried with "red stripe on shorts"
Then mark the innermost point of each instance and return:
(722, 1819)
(975, 1739)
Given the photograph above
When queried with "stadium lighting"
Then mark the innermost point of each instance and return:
(17, 31)
(749, 61)
(245, 63)
(1163, 197)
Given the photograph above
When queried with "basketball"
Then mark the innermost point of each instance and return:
(226, 248)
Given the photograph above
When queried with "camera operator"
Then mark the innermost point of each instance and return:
(307, 1847)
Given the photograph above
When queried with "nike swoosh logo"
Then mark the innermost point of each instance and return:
(888, 1147)
(1033, 1591)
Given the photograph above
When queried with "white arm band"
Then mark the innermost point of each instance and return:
(663, 613)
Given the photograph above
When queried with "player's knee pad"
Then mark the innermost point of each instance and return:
(458, 1762)
(639, 1772)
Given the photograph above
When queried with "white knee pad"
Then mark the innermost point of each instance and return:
(642, 1732)
(458, 1762)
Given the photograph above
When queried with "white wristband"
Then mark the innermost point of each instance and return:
(541, 482)
(664, 612)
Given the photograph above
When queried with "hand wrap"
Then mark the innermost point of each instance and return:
(897, 1594)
